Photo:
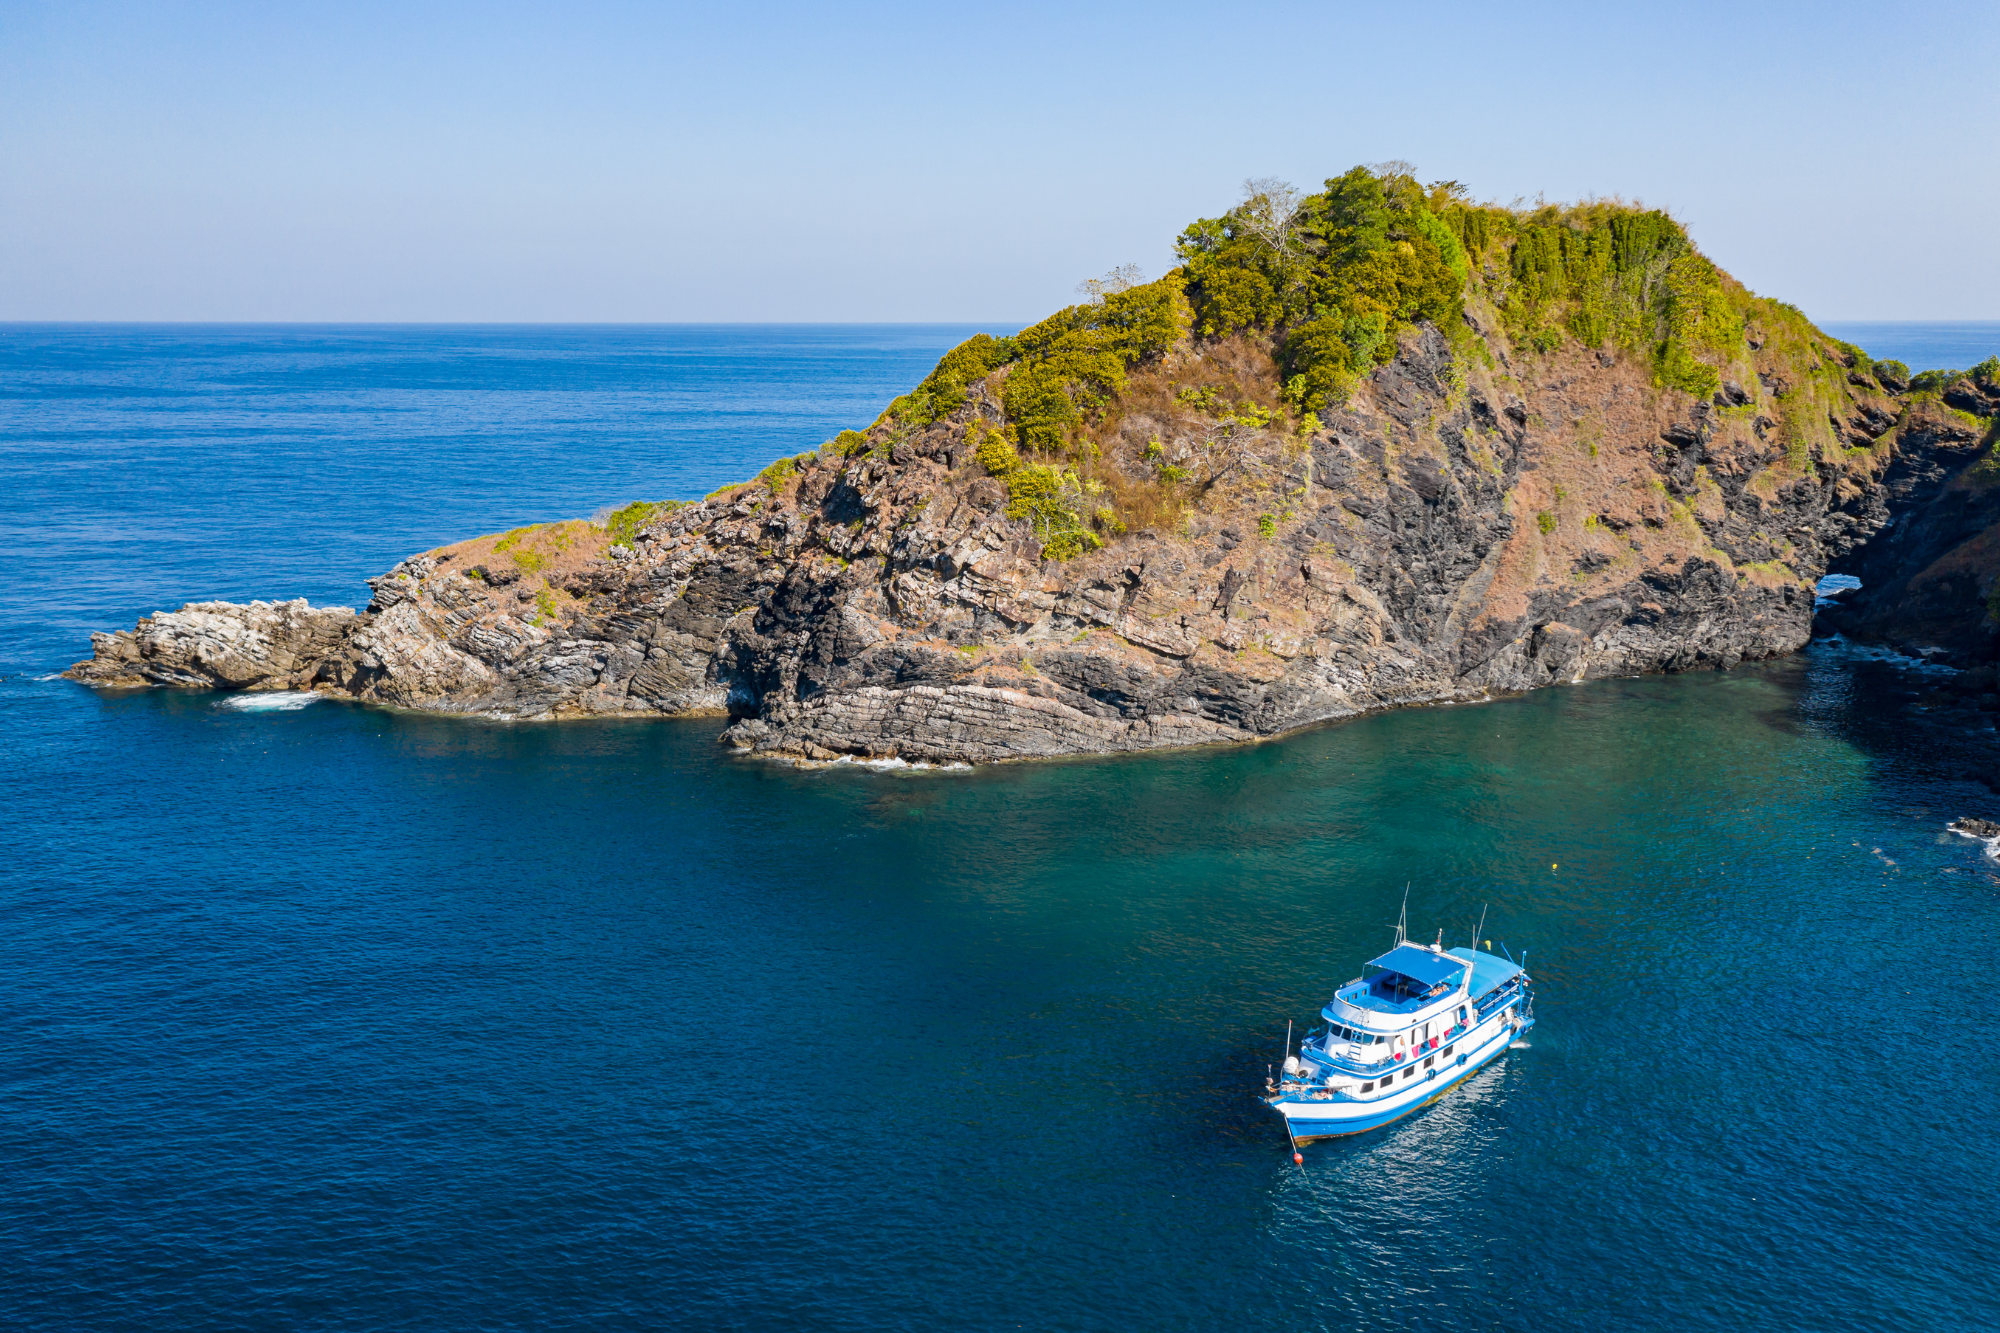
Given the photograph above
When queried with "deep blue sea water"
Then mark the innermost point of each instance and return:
(344, 1018)
(1923, 345)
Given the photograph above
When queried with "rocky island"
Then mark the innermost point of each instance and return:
(1374, 446)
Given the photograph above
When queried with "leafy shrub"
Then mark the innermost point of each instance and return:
(1698, 315)
(1075, 359)
(944, 390)
(994, 453)
(1987, 372)
(1267, 525)
(625, 524)
(1038, 400)
(1894, 375)
(1546, 522)
(1318, 363)
(1053, 501)
(1450, 250)
(848, 444)
(777, 474)
(1475, 226)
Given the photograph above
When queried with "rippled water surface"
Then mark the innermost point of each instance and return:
(322, 1016)
(1924, 345)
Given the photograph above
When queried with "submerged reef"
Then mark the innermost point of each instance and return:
(1374, 446)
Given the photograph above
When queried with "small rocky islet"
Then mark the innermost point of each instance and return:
(1365, 448)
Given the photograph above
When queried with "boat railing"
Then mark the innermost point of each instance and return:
(1348, 1065)
(1315, 1091)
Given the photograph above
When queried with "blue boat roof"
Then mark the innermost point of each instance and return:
(1488, 970)
(1419, 964)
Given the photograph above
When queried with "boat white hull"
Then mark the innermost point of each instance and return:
(1309, 1117)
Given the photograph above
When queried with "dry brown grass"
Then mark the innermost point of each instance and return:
(1237, 371)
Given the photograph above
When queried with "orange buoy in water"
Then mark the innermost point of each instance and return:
(1298, 1159)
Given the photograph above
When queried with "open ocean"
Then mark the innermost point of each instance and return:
(340, 1018)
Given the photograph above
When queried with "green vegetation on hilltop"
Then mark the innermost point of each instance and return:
(1060, 369)
(1075, 360)
(1334, 276)
(1321, 287)
(943, 390)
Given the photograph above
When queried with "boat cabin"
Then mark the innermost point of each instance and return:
(1405, 979)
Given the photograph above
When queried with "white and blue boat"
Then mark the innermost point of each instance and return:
(1420, 1020)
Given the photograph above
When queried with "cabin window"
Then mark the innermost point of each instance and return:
(1427, 1060)
(1447, 1050)
(1411, 1072)
(1368, 1087)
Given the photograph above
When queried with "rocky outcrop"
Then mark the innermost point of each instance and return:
(1929, 566)
(1467, 524)
(220, 645)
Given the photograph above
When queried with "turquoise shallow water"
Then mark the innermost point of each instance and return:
(335, 1017)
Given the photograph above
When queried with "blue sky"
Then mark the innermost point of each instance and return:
(903, 162)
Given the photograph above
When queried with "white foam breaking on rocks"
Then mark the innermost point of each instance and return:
(1992, 843)
(881, 765)
(274, 701)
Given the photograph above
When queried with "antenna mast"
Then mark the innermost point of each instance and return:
(1403, 918)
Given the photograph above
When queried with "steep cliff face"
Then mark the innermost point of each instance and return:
(1148, 534)
(1930, 569)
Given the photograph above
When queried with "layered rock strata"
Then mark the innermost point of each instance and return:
(1469, 524)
